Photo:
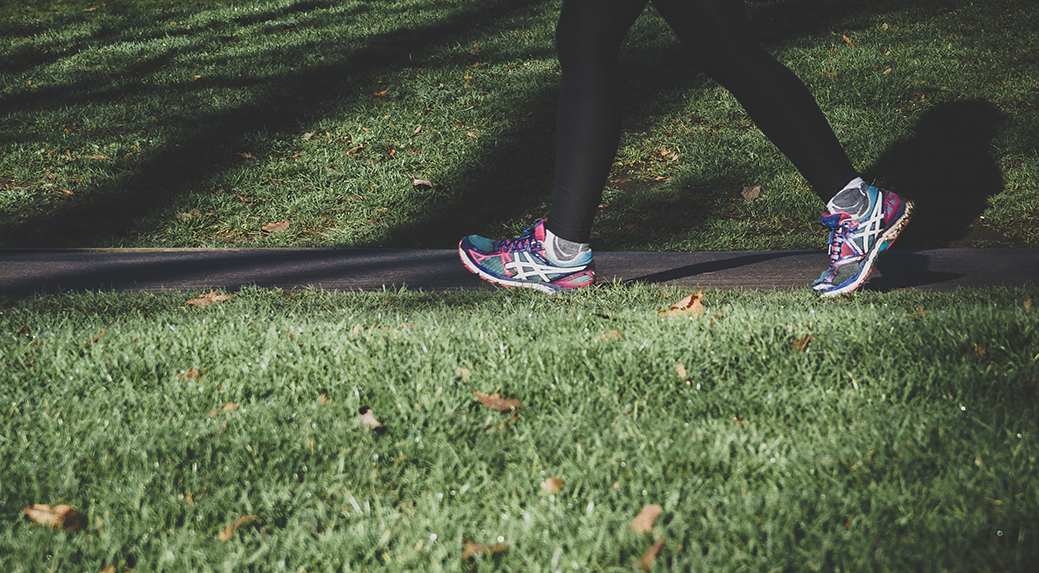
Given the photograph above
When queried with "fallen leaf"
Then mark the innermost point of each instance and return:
(423, 183)
(800, 344)
(681, 371)
(110, 568)
(750, 193)
(244, 198)
(471, 134)
(354, 149)
(25, 331)
(691, 306)
(228, 532)
(382, 93)
(643, 522)
(1028, 303)
(646, 563)
(59, 517)
(275, 227)
(463, 373)
(496, 402)
(368, 418)
(98, 156)
(611, 335)
(308, 135)
(979, 351)
(210, 297)
(246, 155)
(323, 399)
(417, 130)
(472, 549)
(184, 216)
(551, 486)
(848, 41)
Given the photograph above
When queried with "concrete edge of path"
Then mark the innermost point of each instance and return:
(31, 271)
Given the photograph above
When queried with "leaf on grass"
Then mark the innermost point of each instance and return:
(323, 399)
(611, 335)
(228, 532)
(244, 198)
(382, 93)
(210, 297)
(473, 549)
(354, 149)
(848, 41)
(681, 371)
(1028, 303)
(59, 517)
(246, 155)
(800, 344)
(646, 563)
(691, 306)
(463, 373)
(643, 522)
(471, 134)
(183, 216)
(751, 193)
(110, 568)
(417, 183)
(308, 135)
(496, 402)
(228, 408)
(979, 351)
(275, 227)
(368, 418)
(417, 130)
(25, 331)
(552, 486)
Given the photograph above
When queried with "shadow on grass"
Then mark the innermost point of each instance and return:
(947, 168)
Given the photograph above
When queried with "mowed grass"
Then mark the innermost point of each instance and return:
(876, 432)
(197, 123)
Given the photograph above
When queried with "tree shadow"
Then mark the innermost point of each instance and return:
(946, 167)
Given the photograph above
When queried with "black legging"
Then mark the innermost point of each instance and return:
(717, 33)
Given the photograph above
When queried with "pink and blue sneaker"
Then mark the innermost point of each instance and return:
(856, 243)
(524, 263)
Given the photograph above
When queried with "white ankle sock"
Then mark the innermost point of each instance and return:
(561, 251)
(852, 200)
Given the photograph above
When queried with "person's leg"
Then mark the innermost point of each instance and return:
(719, 38)
(588, 121)
(864, 221)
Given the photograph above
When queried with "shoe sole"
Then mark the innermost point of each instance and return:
(886, 240)
(496, 280)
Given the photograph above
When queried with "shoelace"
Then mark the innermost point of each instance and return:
(839, 234)
(520, 243)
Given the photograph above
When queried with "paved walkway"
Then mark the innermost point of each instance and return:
(24, 272)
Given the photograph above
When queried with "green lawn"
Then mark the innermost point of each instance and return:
(196, 123)
(884, 432)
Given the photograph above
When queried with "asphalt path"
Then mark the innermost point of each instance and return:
(26, 272)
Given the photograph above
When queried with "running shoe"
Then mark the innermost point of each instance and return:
(856, 243)
(523, 263)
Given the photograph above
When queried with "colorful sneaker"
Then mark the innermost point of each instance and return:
(522, 263)
(855, 243)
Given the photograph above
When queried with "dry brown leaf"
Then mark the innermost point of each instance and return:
(750, 193)
(210, 297)
(643, 522)
(646, 563)
(368, 418)
(848, 41)
(417, 130)
(382, 93)
(228, 532)
(1028, 303)
(323, 399)
(472, 549)
(979, 351)
(611, 335)
(496, 402)
(691, 306)
(463, 373)
(800, 344)
(423, 183)
(681, 371)
(59, 517)
(110, 568)
(551, 486)
(275, 227)
(354, 149)
(244, 198)
(471, 134)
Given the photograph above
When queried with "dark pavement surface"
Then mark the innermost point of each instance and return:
(24, 272)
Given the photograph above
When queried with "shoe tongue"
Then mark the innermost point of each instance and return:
(539, 231)
(834, 220)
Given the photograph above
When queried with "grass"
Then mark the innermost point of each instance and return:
(182, 124)
(875, 432)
